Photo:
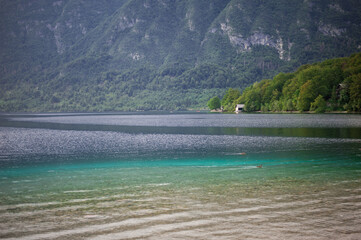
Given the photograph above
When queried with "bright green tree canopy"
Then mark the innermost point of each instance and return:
(214, 103)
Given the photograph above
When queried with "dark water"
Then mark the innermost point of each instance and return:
(180, 176)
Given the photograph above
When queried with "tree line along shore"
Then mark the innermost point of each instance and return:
(330, 86)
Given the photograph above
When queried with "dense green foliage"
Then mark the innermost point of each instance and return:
(229, 98)
(214, 103)
(319, 105)
(327, 86)
(108, 55)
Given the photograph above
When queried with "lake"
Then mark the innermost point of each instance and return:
(180, 176)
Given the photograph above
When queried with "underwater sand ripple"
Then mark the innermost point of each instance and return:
(304, 219)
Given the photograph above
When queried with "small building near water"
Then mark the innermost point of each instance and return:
(239, 108)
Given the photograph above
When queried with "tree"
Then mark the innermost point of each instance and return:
(333, 99)
(229, 100)
(355, 93)
(319, 105)
(307, 95)
(252, 100)
(214, 103)
(288, 105)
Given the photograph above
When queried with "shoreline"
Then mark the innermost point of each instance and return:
(290, 112)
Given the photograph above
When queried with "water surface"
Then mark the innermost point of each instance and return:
(180, 176)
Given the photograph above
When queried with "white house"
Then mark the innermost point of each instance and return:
(239, 108)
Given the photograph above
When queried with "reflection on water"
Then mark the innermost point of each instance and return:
(204, 120)
(183, 176)
(327, 126)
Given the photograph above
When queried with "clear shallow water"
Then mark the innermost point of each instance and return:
(182, 176)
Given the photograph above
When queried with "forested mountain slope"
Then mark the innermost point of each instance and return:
(332, 85)
(106, 55)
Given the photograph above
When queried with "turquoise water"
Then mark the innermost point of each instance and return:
(186, 176)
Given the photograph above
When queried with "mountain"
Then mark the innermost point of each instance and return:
(108, 55)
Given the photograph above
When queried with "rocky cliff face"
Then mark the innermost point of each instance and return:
(293, 28)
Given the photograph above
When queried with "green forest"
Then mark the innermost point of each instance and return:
(332, 85)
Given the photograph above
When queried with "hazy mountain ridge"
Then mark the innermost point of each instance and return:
(100, 47)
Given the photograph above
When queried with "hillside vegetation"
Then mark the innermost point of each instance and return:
(111, 55)
(332, 85)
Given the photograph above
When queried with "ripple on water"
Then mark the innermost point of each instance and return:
(208, 120)
(57, 184)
